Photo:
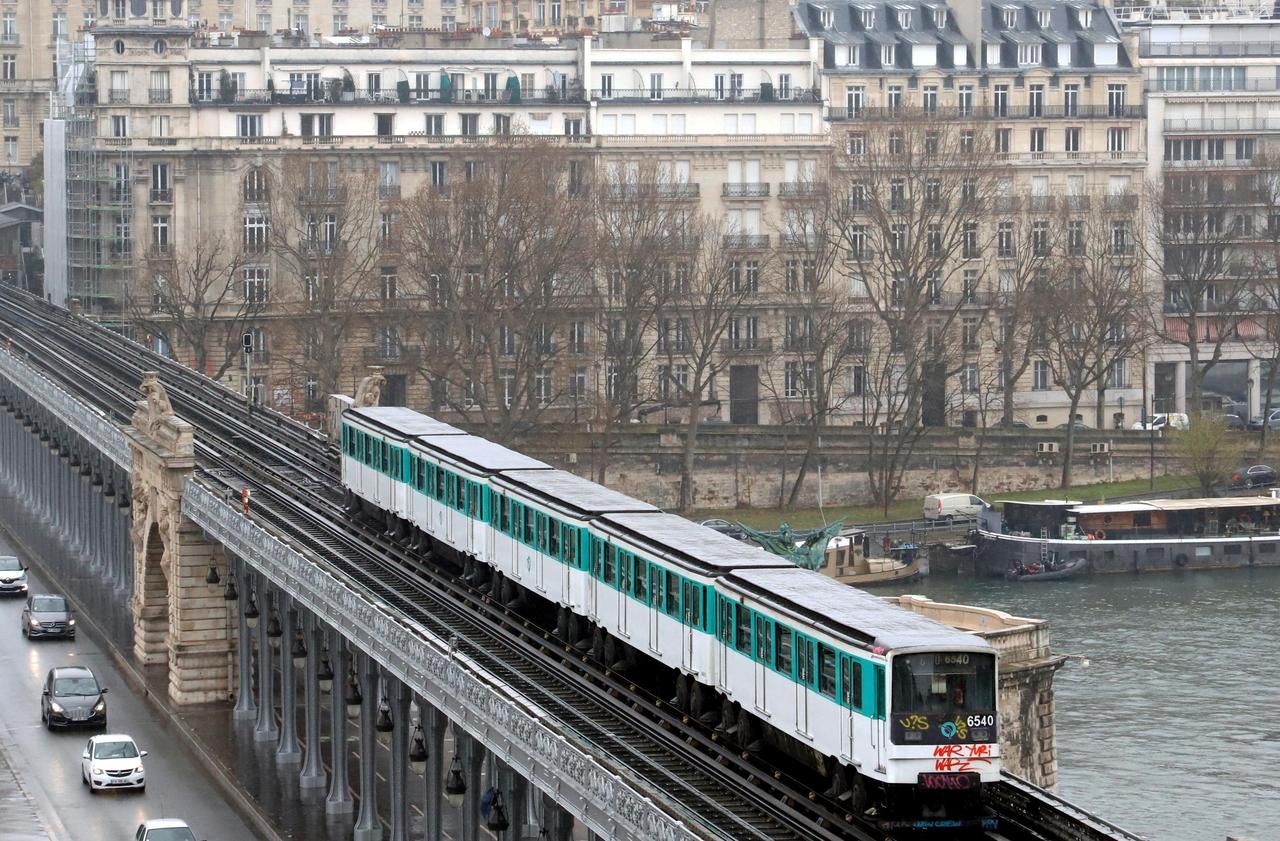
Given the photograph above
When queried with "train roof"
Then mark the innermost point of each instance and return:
(403, 422)
(568, 490)
(479, 454)
(846, 612)
(701, 548)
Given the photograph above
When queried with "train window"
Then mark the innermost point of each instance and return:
(597, 557)
(540, 524)
(764, 639)
(528, 535)
(673, 595)
(553, 538)
(826, 671)
(625, 560)
(742, 630)
(784, 650)
(657, 585)
(504, 515)
(610, 564)
(474, 500)
(642, 580)
(366, 450)
(850, 683)
(804, 661)
(724, 629)
(386, 456)
(693, 604)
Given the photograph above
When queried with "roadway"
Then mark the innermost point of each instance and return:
(49, 763)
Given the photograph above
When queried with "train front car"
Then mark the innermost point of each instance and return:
(942, 736)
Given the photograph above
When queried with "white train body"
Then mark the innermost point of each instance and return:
(812, 658)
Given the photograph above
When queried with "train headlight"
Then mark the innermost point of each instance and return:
(983, 735)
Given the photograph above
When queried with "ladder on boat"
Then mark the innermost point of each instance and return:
(1044, 545)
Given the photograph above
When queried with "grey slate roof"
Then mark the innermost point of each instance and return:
(845, 611)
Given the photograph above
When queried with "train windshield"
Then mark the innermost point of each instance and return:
(944, 683)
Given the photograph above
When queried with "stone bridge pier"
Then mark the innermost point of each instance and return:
(179, 620)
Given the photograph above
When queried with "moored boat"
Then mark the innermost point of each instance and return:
(846, 561)
(1060, 571)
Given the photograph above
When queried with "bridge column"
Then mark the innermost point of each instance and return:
(556, 821)
(400, 696)
(516, 794)
(199, 634)
(368, 827)
(434, 723)
(339, 800)
(265, 730)
(313, 774)
(472, 768)
(246, 707)
(91, 530)
(288, 751)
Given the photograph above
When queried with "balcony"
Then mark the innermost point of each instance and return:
(1008, 203)
(388, 191)
(159, 96)
(990, 112)
(333, 94)
(1040, 204)
(745, 190)
(746, 345)
(162, 196)
(1077, 202)
(11, 122)
(1210, 49)
(322, 195)
(1230, 124)
(800, 189)
(10, 39)
(115, 96)
(662, 190)
(390, 354)
(681, 95)
(1195, 86)
(746, 242)
(1125, 202)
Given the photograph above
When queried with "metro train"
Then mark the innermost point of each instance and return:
(896, 712)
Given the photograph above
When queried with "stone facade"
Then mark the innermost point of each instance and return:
(179, 619)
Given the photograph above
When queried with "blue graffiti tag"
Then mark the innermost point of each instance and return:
(948, 729)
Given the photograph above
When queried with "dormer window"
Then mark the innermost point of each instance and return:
(828, 18)
(887, 56)
(993, 55)
(904, 18)
(1086, 18)
(852, 58)
(940, 17)
(1042, 17)
(1028, 54)
(868, 18)
(1010, 18)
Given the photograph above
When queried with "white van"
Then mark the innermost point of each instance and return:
(952, 506)
(1171, 420)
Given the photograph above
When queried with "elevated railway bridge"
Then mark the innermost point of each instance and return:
(144, 500)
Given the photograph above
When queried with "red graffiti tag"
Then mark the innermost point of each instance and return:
(961, 757)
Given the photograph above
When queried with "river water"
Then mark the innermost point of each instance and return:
(1173, 729)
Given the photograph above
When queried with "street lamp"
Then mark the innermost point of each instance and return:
(325, 673)
(455, 787)
(497, 820)
(274, 631)
(299, 652)
(230, 593)
(212, 578)
(418, 755)
(354, 698)
(251, 612)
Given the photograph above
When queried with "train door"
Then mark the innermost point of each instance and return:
(656, 585)
(569, 536)
(596, 580)
(625, 560)
(804, 674)
(690, 613)
(764, 656)
(877, 710)
(724, 633)
(850, 674)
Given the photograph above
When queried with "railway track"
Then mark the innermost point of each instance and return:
(299, 499)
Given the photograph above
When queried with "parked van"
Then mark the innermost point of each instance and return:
(1172, 420)
(952, 506)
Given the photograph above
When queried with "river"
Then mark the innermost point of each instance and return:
(1173, 729)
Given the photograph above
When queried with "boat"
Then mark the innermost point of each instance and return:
(1133, 536)
(846, 561)
(1037, 573)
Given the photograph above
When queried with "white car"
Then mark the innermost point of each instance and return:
(164, 829)
(112, 761)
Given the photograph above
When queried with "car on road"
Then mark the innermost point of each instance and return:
(725, 527)
(1163, 420)
(1078, 425)
(1272, 421)
(112, 761)
(1234, 422)
(952, 507)
(1257, 476)
(48, 615)
(13, 575)
(164, 829)
(73, 697)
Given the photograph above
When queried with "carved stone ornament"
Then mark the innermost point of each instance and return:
(369, 392)
(156, 408)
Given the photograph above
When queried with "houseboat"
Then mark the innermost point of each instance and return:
(1140, 536)
(848, 561)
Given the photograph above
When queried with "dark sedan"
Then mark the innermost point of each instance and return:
(1257, 476)
(1233, 422)
(47, 615)
(72, 697)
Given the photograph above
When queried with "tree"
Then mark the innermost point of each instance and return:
(498, 281)
(330, 230)
(1193, 239)
(1098, 303)
(1263, 324)
(643, 214)
(192, 296)
(914, 189)
(706, 299)
(1208, 450)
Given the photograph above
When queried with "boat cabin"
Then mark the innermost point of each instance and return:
(1140, 520)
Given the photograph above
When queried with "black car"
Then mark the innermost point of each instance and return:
(48, 615)
(1257, 476)
(13, 575)
(1233, 422)
(72, 697)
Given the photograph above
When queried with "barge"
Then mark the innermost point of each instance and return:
(1140, 536)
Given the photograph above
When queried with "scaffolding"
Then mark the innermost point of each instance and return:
(100, 192)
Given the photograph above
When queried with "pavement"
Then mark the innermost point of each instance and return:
(19, 813)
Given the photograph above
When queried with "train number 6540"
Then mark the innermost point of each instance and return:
(980, 720)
